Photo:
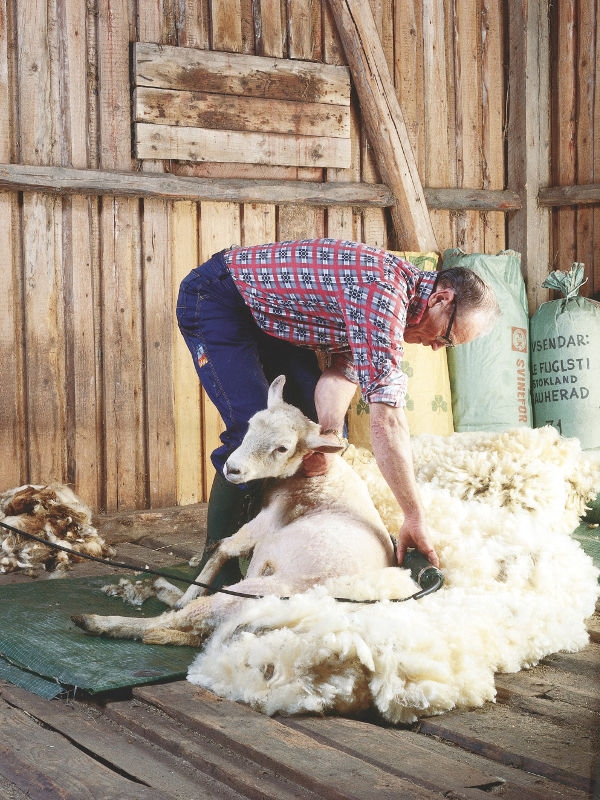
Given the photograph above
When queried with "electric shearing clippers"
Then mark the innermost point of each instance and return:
(429, 578)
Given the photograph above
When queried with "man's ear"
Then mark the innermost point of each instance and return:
(444, 296)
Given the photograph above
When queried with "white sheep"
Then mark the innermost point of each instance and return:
(309, 531)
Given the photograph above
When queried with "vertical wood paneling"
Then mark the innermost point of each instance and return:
(268, 28)
(226, 16)
(189, 468)
(586, 65)
(220, 227)
(103, 391)
(259, 223)
(564, 236)
(83, 433)
(303, 33)
(12, 415)
(409, 73)
(193, 23)
(122, 312)
(467, 73)
(575, 125)
(593, 264)
(156, 25)
(528, 130)
(492, 106)
(304, 42)
(43, 287)
(435, 164)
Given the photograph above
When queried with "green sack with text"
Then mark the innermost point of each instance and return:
(489, 377)
(565, 360)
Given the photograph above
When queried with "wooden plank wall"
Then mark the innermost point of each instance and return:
(98, 389)
(575, 25)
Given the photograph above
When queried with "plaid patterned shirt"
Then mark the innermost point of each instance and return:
(345, 298)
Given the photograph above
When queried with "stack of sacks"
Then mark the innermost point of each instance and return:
(517, 588)
(53, 513)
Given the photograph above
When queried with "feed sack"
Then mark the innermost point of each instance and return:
(489, 378)
(565, 360)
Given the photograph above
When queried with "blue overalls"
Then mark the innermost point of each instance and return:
(235, 360)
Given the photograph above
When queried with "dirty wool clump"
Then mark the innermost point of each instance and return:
(53, 513)
(500, 507)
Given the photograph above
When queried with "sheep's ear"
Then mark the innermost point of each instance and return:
(321, 444)
(275, 395)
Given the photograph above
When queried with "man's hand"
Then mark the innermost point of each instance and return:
(415, 535)
(314, 464)
(390, 438)
(317, 463)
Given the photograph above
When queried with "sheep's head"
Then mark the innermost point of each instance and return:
(277, 440)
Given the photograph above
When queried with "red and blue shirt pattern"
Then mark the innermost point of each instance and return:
(345, 298)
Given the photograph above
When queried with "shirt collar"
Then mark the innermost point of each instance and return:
(418, 302)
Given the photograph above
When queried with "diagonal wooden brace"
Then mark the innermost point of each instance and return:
(384, 122)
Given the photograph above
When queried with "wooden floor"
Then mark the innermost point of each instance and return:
(541, 739)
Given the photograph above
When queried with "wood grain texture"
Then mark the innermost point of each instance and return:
(384, 121)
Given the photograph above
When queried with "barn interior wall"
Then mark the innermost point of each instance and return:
(98, 389)
(575, 104)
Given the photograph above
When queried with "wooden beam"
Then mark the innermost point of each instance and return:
(62, 180)
(580, 195)
(384, 122)
(529, 139)
(472, 199)
(67, 181)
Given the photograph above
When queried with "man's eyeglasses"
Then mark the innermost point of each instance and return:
(445, 339)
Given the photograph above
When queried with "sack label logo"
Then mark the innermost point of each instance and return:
(519, 340)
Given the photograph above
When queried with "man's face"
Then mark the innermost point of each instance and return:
(440, 326)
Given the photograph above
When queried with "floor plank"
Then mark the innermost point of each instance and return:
(43, 764)
(266, 741)
(89, 729)
(578, 687)
(431, 764)
(213, 758)
(532, 739)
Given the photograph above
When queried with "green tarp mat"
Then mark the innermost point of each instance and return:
(42, 651)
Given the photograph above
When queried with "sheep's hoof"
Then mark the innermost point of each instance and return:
(82, 621)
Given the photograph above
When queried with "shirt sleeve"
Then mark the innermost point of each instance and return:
(343, 363)
(375, 333)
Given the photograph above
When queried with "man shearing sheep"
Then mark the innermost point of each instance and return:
(251, 313)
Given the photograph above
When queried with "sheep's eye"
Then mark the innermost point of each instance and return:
(282, 449)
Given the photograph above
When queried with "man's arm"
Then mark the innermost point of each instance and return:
(390, 439)
(333, 395)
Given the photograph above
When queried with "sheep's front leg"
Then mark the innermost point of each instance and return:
(240, 544)
(119, 627)
(172, 627)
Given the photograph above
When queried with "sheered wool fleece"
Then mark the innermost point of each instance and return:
(501, 507)
(53, 513)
